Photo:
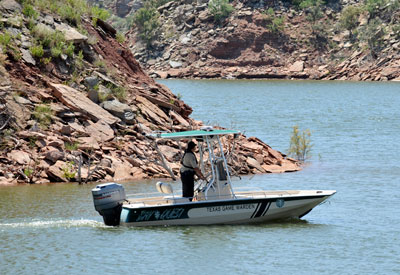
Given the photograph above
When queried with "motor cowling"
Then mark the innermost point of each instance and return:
(108, 199)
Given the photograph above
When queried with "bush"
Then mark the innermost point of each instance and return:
(349, 18)
(372, 34)
(71, 146)
(120, 37)
(119, 93)
(99, 13)
(53, 40)
(69, 172)
(43, 115)
(314, 11)
(5, 40)
(300, 144)
(220, 9)
(29, 11)
(274, 24)
(146, 20)
(37, 51)
(396, 30)
(373, 7)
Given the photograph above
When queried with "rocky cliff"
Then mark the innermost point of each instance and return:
(75, 105)
(337, 40)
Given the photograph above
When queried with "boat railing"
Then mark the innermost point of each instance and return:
(252, 192)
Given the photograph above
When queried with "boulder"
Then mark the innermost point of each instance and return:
(31, 134)
(20, 157)
(100, 131)
(169, 152)
(71, 34)
(298, 66)
(120, 110)
(254, 163)
(88, 144)
(180, 120)
(275, 153)
(273, 168)
(10, 6)
(252, 146)
(123, 170)
(55, 172)
(21, 113)
(91, 81)
(77, 102)
(27, 57)
(151, 110)
(55, 142)
(54, 155)
(175, 64)
(78, 128)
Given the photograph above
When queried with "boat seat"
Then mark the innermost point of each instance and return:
(175, 200)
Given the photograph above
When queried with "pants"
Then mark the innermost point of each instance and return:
(187, 178)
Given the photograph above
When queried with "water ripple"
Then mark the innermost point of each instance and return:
(54, 224)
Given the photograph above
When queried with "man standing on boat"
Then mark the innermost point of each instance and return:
(189, 168)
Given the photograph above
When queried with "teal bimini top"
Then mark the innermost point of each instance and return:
(196, 133)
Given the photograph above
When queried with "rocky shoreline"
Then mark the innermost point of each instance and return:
(190, 44)
(85, 116)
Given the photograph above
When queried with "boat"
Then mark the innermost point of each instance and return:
(215, 201)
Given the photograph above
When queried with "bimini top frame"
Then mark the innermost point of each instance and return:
(208, 140)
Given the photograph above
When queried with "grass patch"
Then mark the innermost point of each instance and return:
(43, 115)
(37, 51)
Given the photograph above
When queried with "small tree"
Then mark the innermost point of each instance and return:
(146, 20)
(300, 144)
(274, 24)
(220, 9)
(373, 34)
(349, 19)
(314, 12)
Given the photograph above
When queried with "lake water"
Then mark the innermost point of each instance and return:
(355, 131)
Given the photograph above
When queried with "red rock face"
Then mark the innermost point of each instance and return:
(81, 135)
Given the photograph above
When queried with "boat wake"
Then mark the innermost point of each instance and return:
(54, 224)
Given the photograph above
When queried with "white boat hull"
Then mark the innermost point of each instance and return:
(232, 211)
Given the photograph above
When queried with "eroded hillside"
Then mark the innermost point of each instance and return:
(309, 39)
(75, 105)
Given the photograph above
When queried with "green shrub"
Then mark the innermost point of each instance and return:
(37, 51)
(29, 11)
(79, 60)
(120, 37)
(349, 18)
(5, 40)
(69, 49)
(45, 60)
(53, 40)
(274, 24)
(300, 144)
(314, 11)
(69, 172)
(373, 7)
(43, 115)
(71, 146)
(373, 34)
(396, 30)
(72, 10)
(119, 93)
(28, 172)
(99, 13)
(56, 51)
(146, 20)
(220, 9)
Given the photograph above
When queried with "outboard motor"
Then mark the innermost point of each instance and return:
(108, 199)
